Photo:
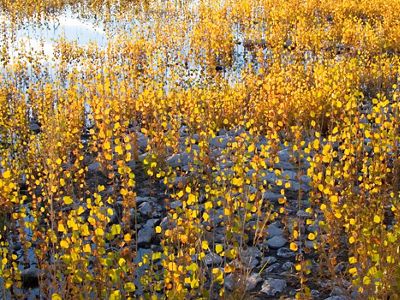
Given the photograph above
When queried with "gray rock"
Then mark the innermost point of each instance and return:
(305, 179)
(142, 141)
(302, 214)
(140, 200)
(336, 298)
(143, 156)
(252, 281)
(145, 209)
(184, 131)
(284, 165)
(35, 127)
(271, 196)
(30, 277)
(272, 287)
(287, 266)
(285, 253)
(338, 291)
(146, 233)
(178, 160)
(94, 167)
(310, 244)
(229, 282)
(251, 252)
(274, 230)
(176, 204)
(284, 155)
(289, 175)
(249, 257)
(268, 260)
(273, 268)
(276, 242)
(269, 177)
(220, 141)
(165, 223)
(315, 294)
(212, 259)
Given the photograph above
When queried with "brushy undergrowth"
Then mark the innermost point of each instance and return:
(320, 77)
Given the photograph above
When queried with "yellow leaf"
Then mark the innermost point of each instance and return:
(127, 237)
(86, 248)
(377, 219)
(121, 262)
(129, 287)
(68, 200)
(251, 148)
(293, 246)
(6, 174)
(56, 296)
(219, 248)
(204, 245)
(191, 199)
(119, 150)
(237, 181)
(158, 229)
(64, 244)
(99, 232)
(61, 228)
(334, 199)
(115, 229)
(311, 236)
(352, 260)
(115, 295)
(106, 145)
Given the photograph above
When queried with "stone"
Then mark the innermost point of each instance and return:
(289, 175)
(336, 298)
(146, 233)
(274, 230)
(30, 277)
(273, 268)
(184, 131)
(337, 291)
(302, 214)
(251, 252)
(287, 266)
(175, 204)
(284, 165)
(229, 282)
(285, 253)
(270, 177)
(310, 244)
(284, 155)
(271, 196)
(35, 127)
(140, 200)
(220, 141)
(276, 242)
(94, 167)
(212, 259)
(315, 294)
(142, 141)
(252, 281)
(145, 209)
(178, 160)
(268, 260)
(273, 287)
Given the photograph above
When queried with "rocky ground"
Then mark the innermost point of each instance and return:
(270, 265)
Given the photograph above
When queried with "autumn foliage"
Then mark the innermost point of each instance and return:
(319, 79)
